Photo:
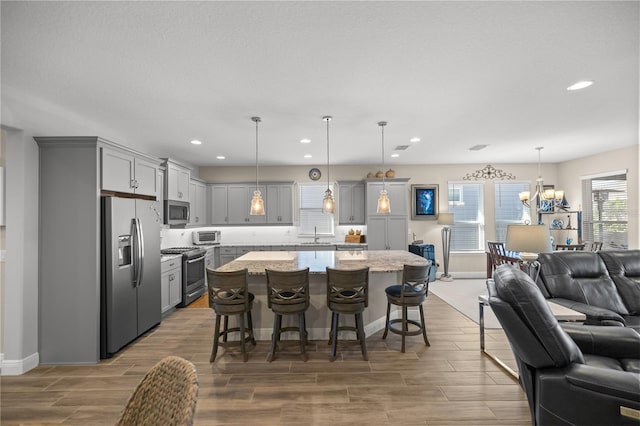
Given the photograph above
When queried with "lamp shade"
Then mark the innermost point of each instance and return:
(445, 219)
(528, 239)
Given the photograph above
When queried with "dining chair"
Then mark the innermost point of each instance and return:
(570, 247)
(595, 246)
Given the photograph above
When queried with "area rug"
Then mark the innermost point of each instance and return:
(462, 294)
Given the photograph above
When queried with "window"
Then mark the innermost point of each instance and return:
(312, 219)
(605, 213)
(508, 207)
(466, 204)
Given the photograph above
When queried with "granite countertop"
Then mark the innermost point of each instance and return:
(167, 257)
(317, 261)
(290, 243)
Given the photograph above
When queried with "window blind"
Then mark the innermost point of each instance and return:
(467, 205)
(312, 220)
(605, 211)
(508, 207)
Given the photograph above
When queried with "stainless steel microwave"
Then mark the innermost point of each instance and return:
(176, 212)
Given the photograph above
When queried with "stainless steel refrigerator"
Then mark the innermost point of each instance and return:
(130, 271)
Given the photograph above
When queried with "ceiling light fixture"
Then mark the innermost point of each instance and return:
(580, 85)
(546, 199)
(384, 206)
(395, 155)
(328, 203)
(414, 140)
(308, 156)
(196, 142)
(305, 140)
(257, 203)
(221, 157)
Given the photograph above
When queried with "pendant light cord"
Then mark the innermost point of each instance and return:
(382, 124)
(327, 119)
(256, 120)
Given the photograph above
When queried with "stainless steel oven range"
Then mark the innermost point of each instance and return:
(193, 283)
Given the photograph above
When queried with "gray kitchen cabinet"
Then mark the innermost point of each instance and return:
(209, 261)
(316, 247)
(160, 195)
(238, 204)
(279, 204)
(227, 254)
(171, 283)
(219, 215)
(198, 203)
(351, 199)
(387, 232)
(397, 192)
(122, 171)
(178, 179)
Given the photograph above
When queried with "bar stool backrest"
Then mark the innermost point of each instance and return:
(348, 286)
(415, 281)
(228, 291)
(288, 290)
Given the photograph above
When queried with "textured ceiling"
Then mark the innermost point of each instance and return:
(455, 74)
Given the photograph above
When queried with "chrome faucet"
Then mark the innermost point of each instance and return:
(315, 234)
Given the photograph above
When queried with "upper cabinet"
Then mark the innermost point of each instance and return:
(279, 204)
(124, 171)
(230, 203)
(397, 192)
(351, 203)
(178, 180)
(198, 203)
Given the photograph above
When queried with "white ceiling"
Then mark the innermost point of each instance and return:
(455, 74)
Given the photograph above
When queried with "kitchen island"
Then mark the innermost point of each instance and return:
(385, 268)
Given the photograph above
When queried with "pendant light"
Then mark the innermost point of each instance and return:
(257, 203)
(328, 203)
(384, 205)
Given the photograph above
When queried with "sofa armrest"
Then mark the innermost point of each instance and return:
(619, 384)
(595, 314)
(612, 342)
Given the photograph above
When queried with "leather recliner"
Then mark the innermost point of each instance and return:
(572, 375)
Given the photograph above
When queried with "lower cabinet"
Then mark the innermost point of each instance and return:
(171, 283)
(387, 232)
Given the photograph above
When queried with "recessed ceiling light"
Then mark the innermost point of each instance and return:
(414, 140)
(221, 157)
(580, 85)
(307, 156)
(196, 142)
(395, 155)
(305, 140)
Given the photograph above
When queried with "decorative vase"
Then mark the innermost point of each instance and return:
(390, 173)
(370, 175)
(379, 174)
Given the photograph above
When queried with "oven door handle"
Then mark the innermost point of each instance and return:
(197, 259)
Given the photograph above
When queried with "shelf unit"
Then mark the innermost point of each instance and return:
(569, 227)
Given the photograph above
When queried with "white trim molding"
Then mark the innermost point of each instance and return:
(20, 366)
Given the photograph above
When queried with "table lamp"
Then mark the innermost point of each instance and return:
(446, 219)
(529, 240)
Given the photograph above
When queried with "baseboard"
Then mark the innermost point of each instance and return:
(20, 366)
(467, 275)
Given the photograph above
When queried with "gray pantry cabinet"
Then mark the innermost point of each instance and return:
(387, 231)
(351, 203)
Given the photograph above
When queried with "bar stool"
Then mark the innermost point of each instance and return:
(411, 293)
(347, 294)
(288, 294)
(229, 295)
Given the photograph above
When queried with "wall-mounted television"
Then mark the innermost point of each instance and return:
(424, 202)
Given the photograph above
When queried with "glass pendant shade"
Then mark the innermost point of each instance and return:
(384, 206)
(257, 204)
(328, 203)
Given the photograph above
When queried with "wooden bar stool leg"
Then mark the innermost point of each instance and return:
(225, 328)
(216, 336)
(424, 327)
(245, 357)
(361, 336)
(334, 335)
(331, 330)
(405, 326)
(250, 321)
(274, 338)
(303, 339)
(386, 323)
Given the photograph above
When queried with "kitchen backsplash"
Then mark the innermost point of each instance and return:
(251, 235)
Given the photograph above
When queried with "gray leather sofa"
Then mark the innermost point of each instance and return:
(605, 285)
(572, 375)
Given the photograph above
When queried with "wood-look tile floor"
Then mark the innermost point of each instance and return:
(449, 383)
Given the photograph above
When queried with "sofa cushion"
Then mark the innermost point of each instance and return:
(624, 269)
(580, 276)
